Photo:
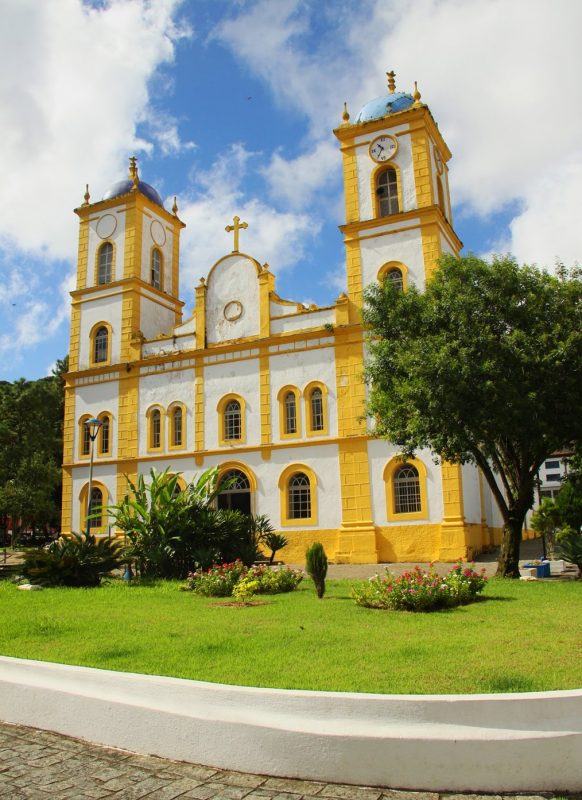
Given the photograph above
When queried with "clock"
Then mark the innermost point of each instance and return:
(383, 148)
(233, 310)
(438, 161)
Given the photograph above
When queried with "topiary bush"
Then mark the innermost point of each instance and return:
(316, 565)
(81, 560)
(421, 590)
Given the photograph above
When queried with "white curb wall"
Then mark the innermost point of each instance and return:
(494, 743)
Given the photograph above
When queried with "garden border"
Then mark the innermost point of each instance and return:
(496, 743)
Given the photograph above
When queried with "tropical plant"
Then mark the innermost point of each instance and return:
(570, 547)
(316, 566)
(78, 560)
(274, 542)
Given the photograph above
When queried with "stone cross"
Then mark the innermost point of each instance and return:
(238, 225)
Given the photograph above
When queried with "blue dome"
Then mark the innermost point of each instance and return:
(124, 187)
(387, 104)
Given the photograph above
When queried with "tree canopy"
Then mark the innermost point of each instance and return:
(483, 366)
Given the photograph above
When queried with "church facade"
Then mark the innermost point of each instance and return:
(267, 389)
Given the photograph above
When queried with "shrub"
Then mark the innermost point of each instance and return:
(570, 547)
(245, 589)
(275, 542)
(218, 581)
(316, 565)
(421, 590)
(80, 560)
(222, 580)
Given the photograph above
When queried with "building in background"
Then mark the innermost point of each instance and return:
(265, 388)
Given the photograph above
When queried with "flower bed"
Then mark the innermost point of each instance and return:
(222, 580)
(421, 590)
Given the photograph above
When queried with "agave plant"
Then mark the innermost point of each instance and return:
(78, 560)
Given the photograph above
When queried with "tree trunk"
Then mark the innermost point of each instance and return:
(508, 563)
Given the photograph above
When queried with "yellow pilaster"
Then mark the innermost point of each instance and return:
(75, 339)
(357, 535)
(67, 503)
(127, 443)
(176, 267)
(354, 279)
(454, 534)
(83, 254)
(69, 425)
(199, 405)
(422, 169)
(201, 314)
(351, 184)
(266, 286)
(431, 248)
(265, 395)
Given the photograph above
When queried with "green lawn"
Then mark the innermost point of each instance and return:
(520, 637)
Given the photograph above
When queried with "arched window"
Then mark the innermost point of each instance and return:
(84, 437)
(406, 490)
(299, 497)
(156, 269)
(105, 434)
(101, 345)
(298, 493)
(396, 272)
(236, 494)
(395, 278)
(316, 409)
(290, 413)
(387, 192)
(406, 493)
(95, 507)
(156, 429)
(105, 263)
(177, 426)
(232, 421)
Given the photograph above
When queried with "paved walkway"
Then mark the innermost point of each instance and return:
(38, 765)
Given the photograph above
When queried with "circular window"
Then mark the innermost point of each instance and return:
(233, 310)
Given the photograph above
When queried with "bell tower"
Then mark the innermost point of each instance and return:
(398, 208)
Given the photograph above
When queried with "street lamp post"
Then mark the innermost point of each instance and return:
(92, 426)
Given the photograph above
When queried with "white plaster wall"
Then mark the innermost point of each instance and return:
(176, 463)
(299, 369)
(189, 326)
(147, 244)
(100, 309)
(167, 346)
(365, 166)
(379, 454)
(93, 399)
(239, 377)
(404, 246)
(233, 278)
(471, 494)
(419, 742)
(494, 517)
(155, 318)
(446, 246)
(95, 241)
(280, 309)
(306, 320)
(164, 388)
(323, 460)
(105, 474)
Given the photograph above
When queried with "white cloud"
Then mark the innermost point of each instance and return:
(297, 181)
(73, 86)
(500, 76)
(279, 238)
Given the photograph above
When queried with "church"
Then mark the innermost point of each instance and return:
(267, 389)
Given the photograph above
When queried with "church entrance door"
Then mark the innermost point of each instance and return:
(237, 494)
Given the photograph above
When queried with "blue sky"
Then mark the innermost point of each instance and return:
(230, 106)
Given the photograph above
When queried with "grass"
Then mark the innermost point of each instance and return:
(520, 637)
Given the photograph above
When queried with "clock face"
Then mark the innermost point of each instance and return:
(383, 148)
(233, 310)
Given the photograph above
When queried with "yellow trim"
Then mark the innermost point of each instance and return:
(307, 392)
(281, 395)
(113, 264)
(284, 479)
(170, 414)
(453, 503)
(92, 336)
(227, 466)
(352, 199)
(81, 428)
(127, 422)
(388, 475)
(83, 254)
(162, 267)
(69, 423)
(201, 316)
(431, 248)
(390, 266)
(220, 408)
(421, 163)
(265, 398)
(100, 452)
(199, 405)
(150, 433)
(102, 528)
(374, 177)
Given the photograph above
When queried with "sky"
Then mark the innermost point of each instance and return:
(230, 106)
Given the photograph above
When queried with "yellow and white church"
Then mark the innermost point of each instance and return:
(268, 390)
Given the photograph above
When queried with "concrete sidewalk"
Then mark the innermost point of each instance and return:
(38, 765)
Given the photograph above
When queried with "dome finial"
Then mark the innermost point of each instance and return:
(86, 196)
(175, 207)
(346, 114)
(391, 81)
(133, 173)
(416, 94)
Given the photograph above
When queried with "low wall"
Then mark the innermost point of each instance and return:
(495, 743)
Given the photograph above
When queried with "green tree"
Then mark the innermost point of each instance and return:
(484, 366)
